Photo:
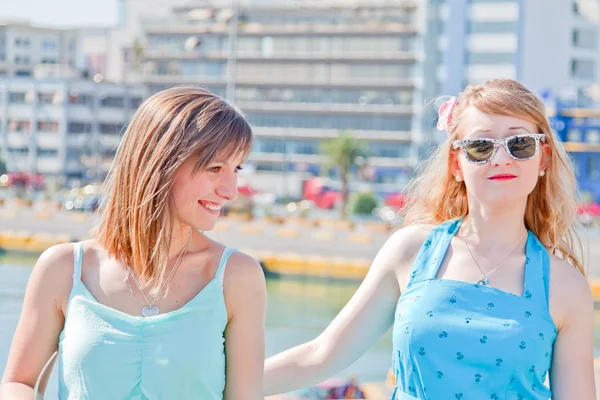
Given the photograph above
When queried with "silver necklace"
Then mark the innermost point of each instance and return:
(150, 309)
(484, 281)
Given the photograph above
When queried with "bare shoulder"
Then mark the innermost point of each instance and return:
(570, 291)
(52, 273)
(244, 285)
(243, 270)
(405, 243)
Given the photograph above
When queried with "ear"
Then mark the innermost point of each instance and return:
(546, 158)
(455, 164)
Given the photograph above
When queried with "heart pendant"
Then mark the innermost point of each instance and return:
(150, 311)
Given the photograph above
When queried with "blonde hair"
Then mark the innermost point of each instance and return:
(435, 196)
(169, 128)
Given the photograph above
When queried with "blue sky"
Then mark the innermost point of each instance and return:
(81, 13)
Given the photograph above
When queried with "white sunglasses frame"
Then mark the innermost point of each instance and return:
(497, 143)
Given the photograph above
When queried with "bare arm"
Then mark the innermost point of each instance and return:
(366, 317)
(246, 296)
(572, 371)
(42, 319)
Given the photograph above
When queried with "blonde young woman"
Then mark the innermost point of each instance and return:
(151, 308)
(483, 287)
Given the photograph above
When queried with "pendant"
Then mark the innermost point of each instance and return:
(483, 281)
(150, 311)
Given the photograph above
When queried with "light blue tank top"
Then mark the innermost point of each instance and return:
(108, 354)
(461, 341)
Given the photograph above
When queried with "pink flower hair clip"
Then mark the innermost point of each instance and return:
(445, 115)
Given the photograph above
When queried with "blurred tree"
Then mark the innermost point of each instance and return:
(343, 153)
(3, 168)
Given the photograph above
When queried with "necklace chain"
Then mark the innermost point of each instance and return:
(484, 276)
(150, 305)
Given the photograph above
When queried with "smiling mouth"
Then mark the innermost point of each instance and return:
(210, 206)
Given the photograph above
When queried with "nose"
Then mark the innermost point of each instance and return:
(227, 187)
(501, 157)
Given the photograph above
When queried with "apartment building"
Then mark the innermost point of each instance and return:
(301, 75)
(552, 46)
(62, 127)
(28, 51)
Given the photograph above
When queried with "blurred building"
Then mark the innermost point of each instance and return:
(301, 75)
(62, 127)
(31, 51)
(552, 46)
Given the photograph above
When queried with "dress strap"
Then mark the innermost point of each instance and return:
(432, 252)
(227, 252)
(537, 271)
(77, 260)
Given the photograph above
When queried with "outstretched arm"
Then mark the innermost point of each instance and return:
(366, 317)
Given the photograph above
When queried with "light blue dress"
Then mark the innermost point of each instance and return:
(107, 354)
(462, 341)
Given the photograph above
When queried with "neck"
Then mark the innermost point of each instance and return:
(497, 227)
(180, 236)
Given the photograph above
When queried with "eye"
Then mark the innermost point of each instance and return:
(215, 169)
(238, 168)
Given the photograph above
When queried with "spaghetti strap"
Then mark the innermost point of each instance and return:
(227, 252)
(77, 260)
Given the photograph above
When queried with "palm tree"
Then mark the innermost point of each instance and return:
(3, 169)
(343, 153)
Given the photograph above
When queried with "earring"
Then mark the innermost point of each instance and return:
(458, 178)
(542, 173)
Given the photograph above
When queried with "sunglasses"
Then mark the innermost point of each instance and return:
(519, 147)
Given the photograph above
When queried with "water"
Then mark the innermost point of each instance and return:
(297, 311)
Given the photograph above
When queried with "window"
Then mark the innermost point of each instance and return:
(16, 98)
(584, 38)
(136, 102)
(574, 135)
(592, 136)
(46, 153)
(268, 146)
(46, 98)
(81, 99)
(79, 127)
(112, 101)
(49, 44)
(490, 58)
(304, 147)
(388, 150)
(18, 151)
(21, 126)
(112, 128)
(593, 172)
(584, 69)
(47, 126)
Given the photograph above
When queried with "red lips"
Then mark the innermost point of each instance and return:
(502, 177)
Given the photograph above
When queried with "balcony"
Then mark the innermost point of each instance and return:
(305, 133)
(325, 108)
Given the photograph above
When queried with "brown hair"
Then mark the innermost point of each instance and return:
(169, 128)
(435, 196)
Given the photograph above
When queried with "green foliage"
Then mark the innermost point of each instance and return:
(364, 204)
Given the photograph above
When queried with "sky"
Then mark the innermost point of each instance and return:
(61, 13)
